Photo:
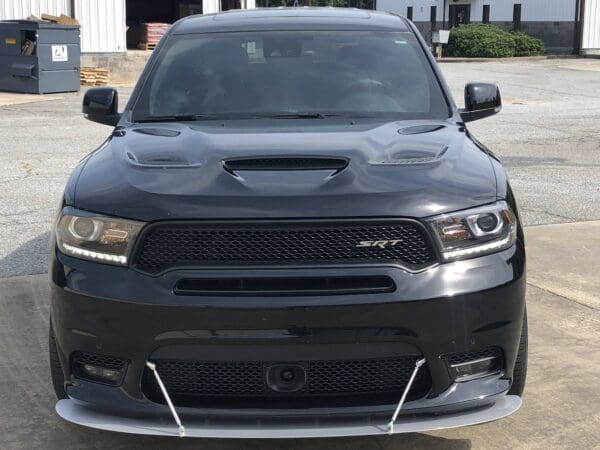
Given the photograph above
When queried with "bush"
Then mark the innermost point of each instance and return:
(526, 45)
(489, 41)
(480, 40)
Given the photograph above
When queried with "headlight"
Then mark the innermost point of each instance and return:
(475, 232)
(97, 238)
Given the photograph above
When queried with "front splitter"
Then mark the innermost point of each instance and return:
(262, 428)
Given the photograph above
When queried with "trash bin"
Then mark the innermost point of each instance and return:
(39, 57)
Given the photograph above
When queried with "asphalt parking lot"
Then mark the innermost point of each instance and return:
(548, 137)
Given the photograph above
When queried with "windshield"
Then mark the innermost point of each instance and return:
(292, 74)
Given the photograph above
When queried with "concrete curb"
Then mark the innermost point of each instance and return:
(513, 59)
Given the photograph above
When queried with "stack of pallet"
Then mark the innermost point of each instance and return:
(151, 33)
(61, 20)
(92, 76)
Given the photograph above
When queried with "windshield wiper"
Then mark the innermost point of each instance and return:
(181, 118)
(295, 116)
(312, 115)
(195, 117)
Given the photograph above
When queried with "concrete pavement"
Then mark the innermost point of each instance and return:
(563, 259)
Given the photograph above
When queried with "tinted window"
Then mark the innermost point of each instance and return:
(359, 73)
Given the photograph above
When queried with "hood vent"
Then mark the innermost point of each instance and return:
(285, 163)
(161, 161)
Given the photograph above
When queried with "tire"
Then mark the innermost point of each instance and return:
(56, 371)
(520, 372)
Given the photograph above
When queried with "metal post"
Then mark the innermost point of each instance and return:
(165, 394)
(418, 365)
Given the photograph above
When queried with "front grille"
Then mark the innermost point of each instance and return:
(194, 383)
(166, 245)
(459, 358)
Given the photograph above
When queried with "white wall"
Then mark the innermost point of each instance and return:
(102, 21)
(591, 26)
(500, 10)
(21, 9)
(102, 25)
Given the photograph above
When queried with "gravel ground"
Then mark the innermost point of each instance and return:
(548, 136)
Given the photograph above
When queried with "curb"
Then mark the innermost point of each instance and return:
(516, 58)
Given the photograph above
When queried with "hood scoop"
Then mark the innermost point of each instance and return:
(408, 157)
(420, 129)
(162, 132)
(159, 161)
(285, 163)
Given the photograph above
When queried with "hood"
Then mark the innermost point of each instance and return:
(308, 170)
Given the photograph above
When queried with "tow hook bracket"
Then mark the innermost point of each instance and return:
(165, 394)
(418, 364)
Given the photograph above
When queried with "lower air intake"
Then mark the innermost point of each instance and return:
(360, 381)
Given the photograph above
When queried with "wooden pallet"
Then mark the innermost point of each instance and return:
(146, 46)
(93, 76)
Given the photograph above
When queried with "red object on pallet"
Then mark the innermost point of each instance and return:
(152, 32)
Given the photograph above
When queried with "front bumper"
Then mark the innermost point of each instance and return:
(260, 428)
(452, 308)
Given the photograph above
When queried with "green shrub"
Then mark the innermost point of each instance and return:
(480, 40)
(526, 45)
(489, 41)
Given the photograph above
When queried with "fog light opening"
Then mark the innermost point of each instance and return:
(477, 368)
(102, 373)
(103, 369)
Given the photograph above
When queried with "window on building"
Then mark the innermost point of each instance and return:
(486, 14)
(409, 12)
(433, 17)
(517, 17)
(459, 15)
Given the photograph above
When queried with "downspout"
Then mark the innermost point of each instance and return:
(444, 16)
(579, 24)
(72, 9)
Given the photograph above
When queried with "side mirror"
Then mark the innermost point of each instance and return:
(481, 100)
(101, 105)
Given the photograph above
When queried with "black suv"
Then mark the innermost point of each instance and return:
(290, 232)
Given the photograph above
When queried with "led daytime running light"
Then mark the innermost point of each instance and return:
(76, 251)
(478, 249)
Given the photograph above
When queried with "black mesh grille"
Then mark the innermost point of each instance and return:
(360, 376)
(108, 362)
(190, 381)
(459, 358)
(208, 244)
(211, 378)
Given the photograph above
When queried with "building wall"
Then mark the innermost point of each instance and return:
(552, 21)
(102, 21)
(21, 9)
(102, 25)
(591, 27)
(500, 10)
